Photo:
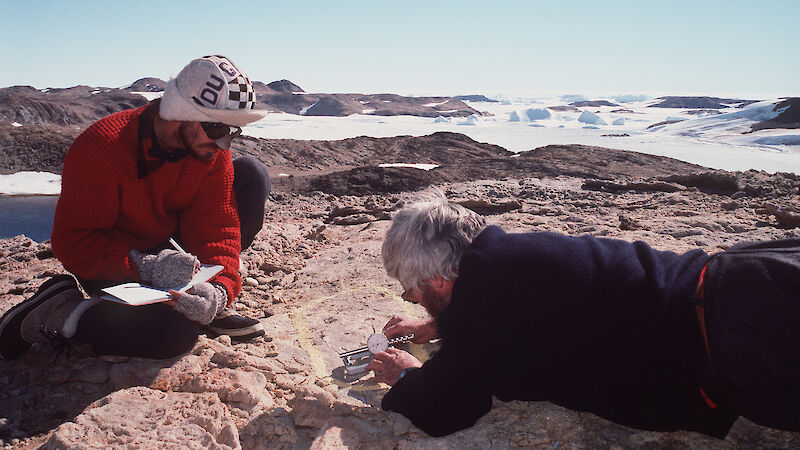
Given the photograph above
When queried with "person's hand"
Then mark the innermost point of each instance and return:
(169, 268)
(388, 365)
(201, 303)
(423, 330)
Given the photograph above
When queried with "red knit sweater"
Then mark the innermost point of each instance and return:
(105, 210)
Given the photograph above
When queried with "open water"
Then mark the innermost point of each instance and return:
(31, 215)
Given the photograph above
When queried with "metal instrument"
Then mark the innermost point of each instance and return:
(356, 361)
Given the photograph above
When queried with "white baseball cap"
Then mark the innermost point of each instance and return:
(210, 89)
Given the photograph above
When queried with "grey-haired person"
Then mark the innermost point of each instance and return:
(130, 183)
(647, 338)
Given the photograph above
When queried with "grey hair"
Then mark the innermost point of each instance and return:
(427, 238)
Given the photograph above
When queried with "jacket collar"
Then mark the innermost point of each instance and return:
(150, 155)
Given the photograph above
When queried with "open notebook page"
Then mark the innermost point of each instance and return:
(138, 294)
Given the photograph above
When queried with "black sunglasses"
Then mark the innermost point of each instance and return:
(216, 130)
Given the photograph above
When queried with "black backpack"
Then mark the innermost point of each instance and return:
(751, 309)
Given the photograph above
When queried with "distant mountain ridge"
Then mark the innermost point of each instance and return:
(701, 102)
(147, 85)
(285, 86)
(285, 96)
(82, 105)
(75, 106)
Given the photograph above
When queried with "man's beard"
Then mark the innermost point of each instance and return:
(187, 137)
(433, 302)
(204, 157)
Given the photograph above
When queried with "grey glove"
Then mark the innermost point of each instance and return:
(204, 304)
(168, 269)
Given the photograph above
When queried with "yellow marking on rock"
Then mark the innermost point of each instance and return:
(304, 337)
(315, 354)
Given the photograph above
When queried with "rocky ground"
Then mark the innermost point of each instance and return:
(314, 278)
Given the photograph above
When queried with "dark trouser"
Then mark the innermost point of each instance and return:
(151, 331)
(752, 312)
(158, 331)
(251, 186)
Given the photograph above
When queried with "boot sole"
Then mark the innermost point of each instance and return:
(243, 334)
(12, 346)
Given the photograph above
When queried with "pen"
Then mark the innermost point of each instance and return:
(180, 249)
(177, 247)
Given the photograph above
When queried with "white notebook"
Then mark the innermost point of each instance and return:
(136, 294)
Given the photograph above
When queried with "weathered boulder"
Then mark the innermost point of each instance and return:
(232, 386)
(269, 432)
(145, 418)
(350, 432)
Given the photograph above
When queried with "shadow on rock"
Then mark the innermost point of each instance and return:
(37, 393)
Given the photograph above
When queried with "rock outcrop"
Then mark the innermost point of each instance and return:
(34, 147)
(788, 118)
(314, 278)
(76, 106)
(285, 86)
(148, 84)
(142, 417)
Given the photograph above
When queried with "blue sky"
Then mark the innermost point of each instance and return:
(678, 47)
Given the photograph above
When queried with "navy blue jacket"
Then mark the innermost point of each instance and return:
(592, 324)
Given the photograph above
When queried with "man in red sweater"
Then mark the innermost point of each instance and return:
(132, 181)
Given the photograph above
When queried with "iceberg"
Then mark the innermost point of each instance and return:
(471, 120)
(591, 118)
(537, 113)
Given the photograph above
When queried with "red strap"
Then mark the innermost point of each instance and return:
(701, 320)
(701, 283)
(701, 316)
(708, 400)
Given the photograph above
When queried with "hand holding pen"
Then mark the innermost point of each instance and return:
(168, 269)
(180, 249)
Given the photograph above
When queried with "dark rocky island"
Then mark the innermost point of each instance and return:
(592, 103)
(700, 102)
(788, 118)
(475, 98)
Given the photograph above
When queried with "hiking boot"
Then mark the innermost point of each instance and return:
(239, 328)
(19, 326)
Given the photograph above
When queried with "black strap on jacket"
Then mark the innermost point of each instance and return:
(147, 135)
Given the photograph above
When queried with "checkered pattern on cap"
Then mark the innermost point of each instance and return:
(241, 94)
(210, 89)
(241, 90)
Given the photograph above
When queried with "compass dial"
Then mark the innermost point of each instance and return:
(377, 343)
